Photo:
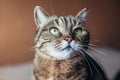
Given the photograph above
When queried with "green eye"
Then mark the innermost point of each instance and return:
(54, 31)
(78, 31)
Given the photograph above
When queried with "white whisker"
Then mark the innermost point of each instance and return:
(87, 52)
(91, 46)
(86, 61)
(97, 50)
(92, 63)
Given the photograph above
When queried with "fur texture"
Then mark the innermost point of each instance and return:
(60, 45)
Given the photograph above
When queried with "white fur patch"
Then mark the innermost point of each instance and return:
(74, 45)
(63, 52)
(60, 55)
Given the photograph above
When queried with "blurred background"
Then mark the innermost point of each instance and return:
(17, 26)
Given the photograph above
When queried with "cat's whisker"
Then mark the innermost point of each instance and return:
(84, 41)
(86, 52)
(90, 44)
(81, 53)
(80, 45)
(96, 40)
(93, 45)
(97, 50)
(94, 49)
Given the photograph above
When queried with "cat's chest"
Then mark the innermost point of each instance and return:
(64, 70)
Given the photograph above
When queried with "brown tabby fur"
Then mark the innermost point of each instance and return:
(47, 67)
(71, 69)
(62, 55)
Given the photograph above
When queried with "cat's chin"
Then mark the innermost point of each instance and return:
(67, 48)
(61, 54)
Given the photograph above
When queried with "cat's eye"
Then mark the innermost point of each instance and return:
(54, 31)
(78, 31)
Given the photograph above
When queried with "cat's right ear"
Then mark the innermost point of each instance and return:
(82, 15)
(40, 16)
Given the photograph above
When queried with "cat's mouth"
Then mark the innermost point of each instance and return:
(67, 48)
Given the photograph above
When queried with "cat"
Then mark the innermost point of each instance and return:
(61, 44)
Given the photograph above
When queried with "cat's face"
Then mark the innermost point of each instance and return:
(60, 36)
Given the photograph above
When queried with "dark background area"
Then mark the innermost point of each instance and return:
(17, 26)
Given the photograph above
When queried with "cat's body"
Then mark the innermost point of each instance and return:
(60, 45)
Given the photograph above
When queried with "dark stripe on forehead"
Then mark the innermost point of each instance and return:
(56, 22)
(65, 21)
(62, 19)
(70, 20)
(74, 22)
(68, 23)
(71, 26)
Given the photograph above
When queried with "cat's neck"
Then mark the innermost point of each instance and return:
(41, 61)
(64, 68)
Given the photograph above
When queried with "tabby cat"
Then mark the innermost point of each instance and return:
(61, 44)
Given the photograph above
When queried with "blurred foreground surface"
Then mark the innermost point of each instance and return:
(109, 58)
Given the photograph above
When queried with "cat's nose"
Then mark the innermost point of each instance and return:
(68, 39)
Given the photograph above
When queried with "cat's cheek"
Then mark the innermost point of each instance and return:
(75, 45)
(63, 45)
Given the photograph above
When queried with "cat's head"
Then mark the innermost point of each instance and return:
(60, 36)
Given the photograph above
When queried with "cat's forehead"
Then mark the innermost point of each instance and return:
(64, 21)
(67, 19)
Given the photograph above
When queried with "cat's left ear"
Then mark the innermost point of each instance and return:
(82, 15)
(40, 16)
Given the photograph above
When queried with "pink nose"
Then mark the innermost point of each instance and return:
(69, 39)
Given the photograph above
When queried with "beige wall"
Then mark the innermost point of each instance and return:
(17, 26)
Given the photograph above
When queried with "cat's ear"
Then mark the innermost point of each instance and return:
(40, 16)
(82, 15)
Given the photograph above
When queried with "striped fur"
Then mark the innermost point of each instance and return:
(66, 25)
(60, 57)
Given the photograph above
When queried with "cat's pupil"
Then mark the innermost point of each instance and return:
(55, 30)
